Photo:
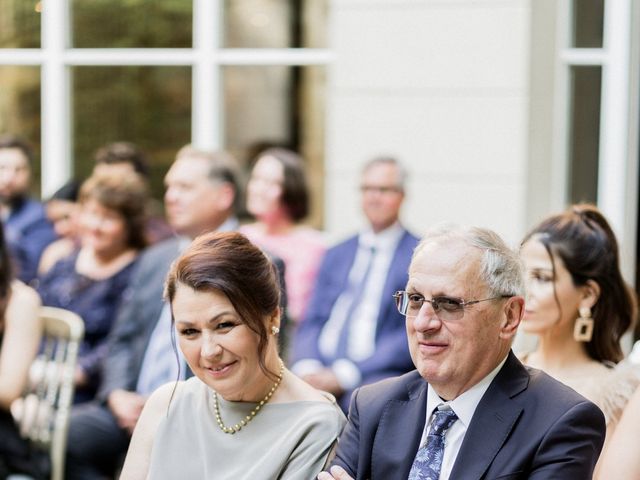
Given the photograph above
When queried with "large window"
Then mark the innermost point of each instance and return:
(233, 74)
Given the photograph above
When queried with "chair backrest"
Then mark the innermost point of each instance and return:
(44, 419)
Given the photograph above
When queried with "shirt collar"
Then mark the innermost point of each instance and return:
(387, 239)
(231, 224)
(464, 405)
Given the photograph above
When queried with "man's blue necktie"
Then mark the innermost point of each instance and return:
(428, 461)
(356, 291)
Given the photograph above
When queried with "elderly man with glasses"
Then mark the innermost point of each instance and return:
(470, 410)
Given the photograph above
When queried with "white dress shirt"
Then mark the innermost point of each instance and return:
(464, 407)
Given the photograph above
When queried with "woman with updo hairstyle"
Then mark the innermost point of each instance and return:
(92, 280)
(242, 414)
(579, 306)
(278, 197)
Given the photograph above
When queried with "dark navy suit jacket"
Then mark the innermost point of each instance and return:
(391, 355)
(526, 426)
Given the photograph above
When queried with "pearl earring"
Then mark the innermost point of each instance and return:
(275, 330)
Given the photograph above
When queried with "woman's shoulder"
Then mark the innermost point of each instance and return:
(311, 236)
(24, 302)
(24, 305)
(170, 396)
(24, 294)
(299, 393)
(612, 387)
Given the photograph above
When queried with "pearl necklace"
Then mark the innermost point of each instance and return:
(238, 426)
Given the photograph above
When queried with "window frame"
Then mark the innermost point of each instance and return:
(615, 153)
(55, 58)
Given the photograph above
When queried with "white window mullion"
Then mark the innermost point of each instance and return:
(614, 128)
(273, 56)
(561, 111)
(206, 126)
(56, 158)
(129, 56)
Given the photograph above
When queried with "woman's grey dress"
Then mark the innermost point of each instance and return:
(283, 441)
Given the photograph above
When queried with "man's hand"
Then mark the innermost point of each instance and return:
(126, 407)
(324, 380)
(80, 378)
(335, 473)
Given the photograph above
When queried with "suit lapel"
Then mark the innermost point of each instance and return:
(492, 421)
(399, 432)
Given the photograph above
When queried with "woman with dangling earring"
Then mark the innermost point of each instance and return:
(242, 414)
(579, 306)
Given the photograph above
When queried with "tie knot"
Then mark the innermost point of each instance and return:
(442, 420)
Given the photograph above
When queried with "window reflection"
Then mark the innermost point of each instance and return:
(275, 23)
(277, 105)
(20, 23)
(20, 109)
(584, 140)
(131, 23)
(149, 106)
(588, 23)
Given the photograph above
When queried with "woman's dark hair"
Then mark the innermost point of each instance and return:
(5, 277)
(227, 262)
(127, 194)
(67, 192)
(295, 190)
(582, 238)
(9, 141)
(123, 152)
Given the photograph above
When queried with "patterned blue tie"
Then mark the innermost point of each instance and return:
(428, 461)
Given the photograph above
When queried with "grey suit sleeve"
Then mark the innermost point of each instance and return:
(571, 447)
(127, 340)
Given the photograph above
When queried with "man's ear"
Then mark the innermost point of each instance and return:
(225, 196)
(512, 315)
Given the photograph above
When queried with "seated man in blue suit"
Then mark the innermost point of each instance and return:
(471, 410)
(352, 333)
(26, 227)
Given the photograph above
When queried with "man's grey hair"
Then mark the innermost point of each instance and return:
(500, 266)
(223, 168)
(389, 160)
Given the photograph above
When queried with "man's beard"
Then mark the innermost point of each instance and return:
(12, 200)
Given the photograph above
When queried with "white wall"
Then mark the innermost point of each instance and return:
(443, 85)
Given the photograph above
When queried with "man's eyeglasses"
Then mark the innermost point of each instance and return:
(446, 308)
(381, 190)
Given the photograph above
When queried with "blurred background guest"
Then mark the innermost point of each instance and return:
(278, 197)
(127, 157)
(20, 332)
(352, 333)
(92, 279)
(27, 229)
(225, 302)
(62, 209)
(579, 306)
